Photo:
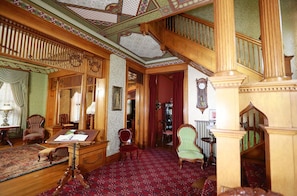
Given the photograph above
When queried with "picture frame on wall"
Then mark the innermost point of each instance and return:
(212, 115)
(116, 98)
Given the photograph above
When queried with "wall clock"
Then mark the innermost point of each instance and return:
(202, 94)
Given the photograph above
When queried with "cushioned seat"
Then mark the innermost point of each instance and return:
(35, 130)
(126, 144)
(187, 149)
(51, 153)
(190, 154)
(248, 191)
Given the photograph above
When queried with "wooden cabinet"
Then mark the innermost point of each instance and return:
(167, 120)
(52, 130)
(89, 157)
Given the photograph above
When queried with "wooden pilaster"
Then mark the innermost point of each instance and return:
(272, 43)
(226, 82)
(224, 30)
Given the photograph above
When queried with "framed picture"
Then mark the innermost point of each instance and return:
(116, 98)
(212, 115)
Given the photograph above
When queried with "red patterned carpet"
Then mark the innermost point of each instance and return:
(155, 173)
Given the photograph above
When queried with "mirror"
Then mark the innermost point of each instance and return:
(69, 100)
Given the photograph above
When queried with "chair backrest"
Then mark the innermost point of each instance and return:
(187, 136)
(35, 121)
(63, 119)
(125, 136)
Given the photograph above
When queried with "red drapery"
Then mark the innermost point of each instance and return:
(152, 115)
(177, 112)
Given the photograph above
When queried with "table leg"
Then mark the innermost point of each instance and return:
(4, 137)
(63, 180)
(211, 159)
(71, 173)
(1, 134)
(80, 177)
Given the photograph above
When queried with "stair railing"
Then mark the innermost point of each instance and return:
(248, 50)
(20, 42)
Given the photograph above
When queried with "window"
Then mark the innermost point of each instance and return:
(6, 97)
(75, 107)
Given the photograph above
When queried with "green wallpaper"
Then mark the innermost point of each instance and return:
(246, 20)
(37, 93)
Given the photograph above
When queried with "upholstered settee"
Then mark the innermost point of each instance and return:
(248, 191)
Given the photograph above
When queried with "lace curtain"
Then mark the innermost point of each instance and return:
(18, 81)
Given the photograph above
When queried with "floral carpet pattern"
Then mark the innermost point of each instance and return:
(155, 173)
(21, 160)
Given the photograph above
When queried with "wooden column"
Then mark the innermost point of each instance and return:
(224, 31)
(226, 82)
(83, 107)
(272, 43)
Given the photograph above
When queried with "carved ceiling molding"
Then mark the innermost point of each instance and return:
(25, 66)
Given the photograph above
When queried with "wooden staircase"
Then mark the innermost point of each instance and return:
(193, 38)
(253, 168)
(253, 159)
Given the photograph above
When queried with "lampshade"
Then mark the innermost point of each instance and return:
(92, 108)
(6, 107)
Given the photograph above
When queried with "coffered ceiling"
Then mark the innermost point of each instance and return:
(116, 23)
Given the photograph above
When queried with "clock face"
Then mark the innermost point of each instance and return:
(201, 85)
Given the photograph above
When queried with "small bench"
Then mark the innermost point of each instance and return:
(50, 153)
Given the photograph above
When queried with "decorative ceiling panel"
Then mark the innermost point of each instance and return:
(95, 4)
(94, 15)
(141, 45)
(130, 7)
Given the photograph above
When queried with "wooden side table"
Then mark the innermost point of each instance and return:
(4, 135)
(211, 159)
(73, 170)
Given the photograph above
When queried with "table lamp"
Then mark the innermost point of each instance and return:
(91, 111)
(5, 108)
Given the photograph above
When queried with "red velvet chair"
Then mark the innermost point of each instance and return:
(126, 144)
(35, 129)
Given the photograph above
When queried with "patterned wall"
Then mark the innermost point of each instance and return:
(115, 120)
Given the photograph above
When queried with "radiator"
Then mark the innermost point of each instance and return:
(203, 131)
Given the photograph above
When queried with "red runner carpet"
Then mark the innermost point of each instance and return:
(155, 173)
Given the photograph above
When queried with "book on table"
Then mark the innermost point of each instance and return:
(71, 136)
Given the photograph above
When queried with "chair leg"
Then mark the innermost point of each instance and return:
(50, 157)
(180, 162)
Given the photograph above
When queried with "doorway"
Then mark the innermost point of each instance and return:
(134, 101)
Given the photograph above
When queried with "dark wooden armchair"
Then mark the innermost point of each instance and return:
(35, 129)
(65, 122)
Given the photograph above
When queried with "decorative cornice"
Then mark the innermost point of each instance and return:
(25, 66)
(281, 131)
(233, 81)
(228, 133)
(276, 86)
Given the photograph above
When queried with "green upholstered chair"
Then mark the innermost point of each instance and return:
(187, 149)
